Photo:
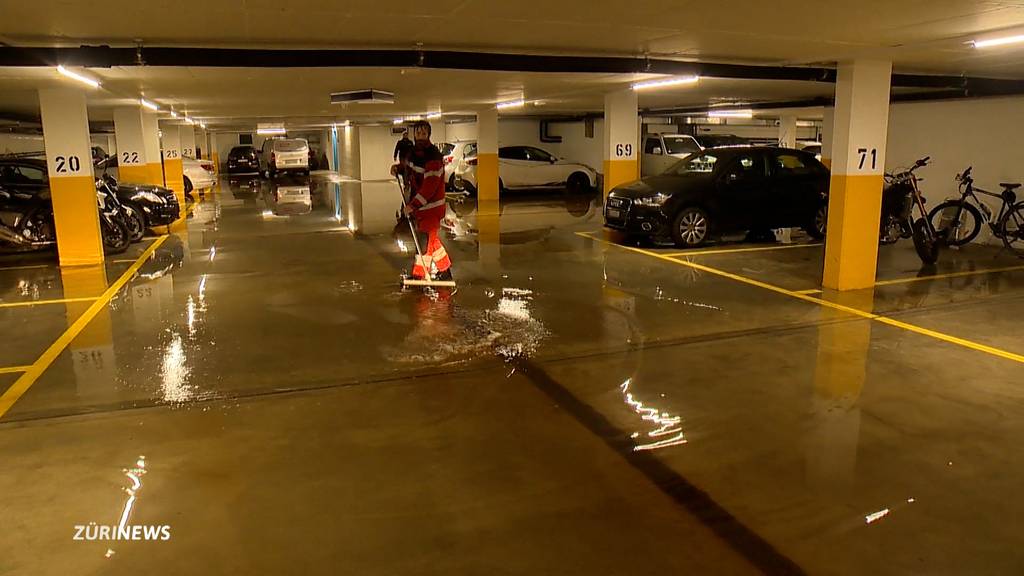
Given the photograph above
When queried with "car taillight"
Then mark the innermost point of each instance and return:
(447, 159)
(471, 161)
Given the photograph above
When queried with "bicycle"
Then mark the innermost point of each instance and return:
(958, 222)
(901, 196)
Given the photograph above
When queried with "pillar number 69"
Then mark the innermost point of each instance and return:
(623, 150)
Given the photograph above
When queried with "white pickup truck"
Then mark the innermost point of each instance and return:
(664, 150)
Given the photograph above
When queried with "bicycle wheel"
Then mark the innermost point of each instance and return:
(926, 246)
(1012, 227)
(952, 230)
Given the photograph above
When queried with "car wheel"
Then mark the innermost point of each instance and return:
(136, 222)
(578, 182)
(188, 185)
(691, 227)
(819, 223)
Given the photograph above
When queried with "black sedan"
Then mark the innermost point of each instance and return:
(724, 190)
(243, 160)
(153, 205)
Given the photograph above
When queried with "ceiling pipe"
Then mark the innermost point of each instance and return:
(106, 56)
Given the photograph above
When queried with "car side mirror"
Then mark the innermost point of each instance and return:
(656, 151)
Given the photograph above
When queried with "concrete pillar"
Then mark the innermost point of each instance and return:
(214, 152)
(621, 139)
(151, 140)
(173, 175)
(202, 147)
(187, 133)
(72, 185)
(787, 131)
(487, 177)
(828, 121)
(132, 162)
(334, 154)
(858, 164)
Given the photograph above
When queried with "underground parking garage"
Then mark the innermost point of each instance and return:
(464, 288)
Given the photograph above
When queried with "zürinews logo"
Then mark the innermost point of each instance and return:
(123, 531)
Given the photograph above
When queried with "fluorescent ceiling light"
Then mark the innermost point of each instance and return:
(77, 76)
(731, 114)
(190, 121)
(271, 131)
(174, 114)
(666, 82)
(397, 121)
(513, 104)
(998, 41)
(148, 104)
(413, 118)
(433, 116)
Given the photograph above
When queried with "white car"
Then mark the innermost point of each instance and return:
(663, 150)
(284, 154)
(529, 167)
(198, 174)
(454, 154)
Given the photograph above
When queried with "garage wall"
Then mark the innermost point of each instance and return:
(576, 147)
(461, 132)
(376, 150)
(16, 143)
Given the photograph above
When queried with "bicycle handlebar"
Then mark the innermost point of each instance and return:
(966, 176)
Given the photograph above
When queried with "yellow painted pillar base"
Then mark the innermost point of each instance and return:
(618, 172)
(487, 193)
(216, 163)
(851, 251)
(87, 282)
(155, 174)
(136, 174)
(77, 220)
(176, 181)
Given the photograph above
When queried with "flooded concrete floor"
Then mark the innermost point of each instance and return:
(266, 390)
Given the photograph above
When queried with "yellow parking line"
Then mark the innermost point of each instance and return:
(41, 302)
(854, 311)
(14, 369)
(809, 291)
(29, 377)
(949, 275)
(26, 267)
(735, 250)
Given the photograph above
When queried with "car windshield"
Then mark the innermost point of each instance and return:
(701, 163)
(290, 145)
(680, 145)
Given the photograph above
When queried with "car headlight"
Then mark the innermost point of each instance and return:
(151, 197)
(655, 201)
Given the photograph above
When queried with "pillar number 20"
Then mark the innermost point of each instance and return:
(68, 164)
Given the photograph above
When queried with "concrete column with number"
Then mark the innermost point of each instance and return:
(188, 141)
(487, 176)
(151, 140)
(787, 131)
(132, 163)
(214, 154)
(173, 174)
(858, 164)
(828, 121)
(621, 139)
(72, 184)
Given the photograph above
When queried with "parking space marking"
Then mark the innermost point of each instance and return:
(835, 306)
(738, 250)
(33, 267)
(42, 302)
(809, 291)
(29, 377)
(14, 369)
(948, 275)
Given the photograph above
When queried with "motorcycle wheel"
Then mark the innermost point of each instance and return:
(135, 222)
(926, 245)
(960, 233)
(115, 236)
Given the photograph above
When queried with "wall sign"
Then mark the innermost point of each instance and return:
(129, 158)
(623, 150)
(67, 165)
(867, 158)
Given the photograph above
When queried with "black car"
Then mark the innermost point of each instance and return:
(243, 160)
(724, 190)
(157, 205)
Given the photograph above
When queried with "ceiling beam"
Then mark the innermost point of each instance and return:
(106, 56)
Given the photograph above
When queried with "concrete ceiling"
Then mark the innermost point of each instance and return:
(918, 35)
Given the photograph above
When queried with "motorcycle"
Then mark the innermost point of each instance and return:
(899, 198)
(106, 185)
(113, 229)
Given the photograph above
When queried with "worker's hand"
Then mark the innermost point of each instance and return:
(407, 210)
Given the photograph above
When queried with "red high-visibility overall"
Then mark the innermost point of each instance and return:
(428, 205)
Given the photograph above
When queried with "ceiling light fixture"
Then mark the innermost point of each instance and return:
(513, 104)
(174, 114)
(397, 121)
(416, 118)
(998, 41)
(148, 104)
(77, 76)
(731, 114)
(647, 85)
(271, 131)
(433, 116)
(190, 121)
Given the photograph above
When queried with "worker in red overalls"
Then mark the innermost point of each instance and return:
(427, 205)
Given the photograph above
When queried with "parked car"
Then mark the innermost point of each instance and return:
(462, 168)
(719, 140)
(199, 174)
(243, 160)
(810, 147)
(529, 167)
(448, 152)
(154, 205)
(724, 190)
(663, 150)
(284, 155)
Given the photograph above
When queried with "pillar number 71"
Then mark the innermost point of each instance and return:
(864, 152)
